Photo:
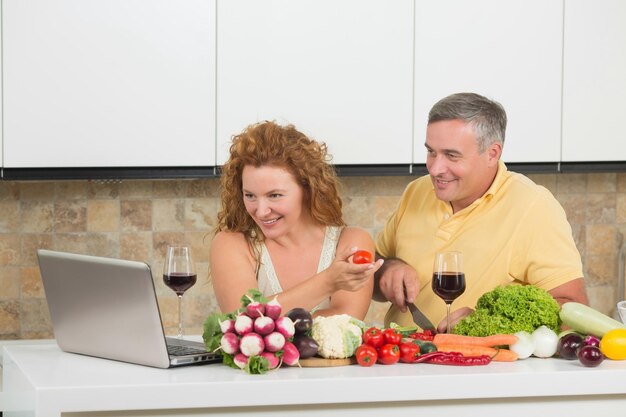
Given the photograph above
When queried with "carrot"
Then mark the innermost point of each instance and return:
(498, 355)
(457, 339)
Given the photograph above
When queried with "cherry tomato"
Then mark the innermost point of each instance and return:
(388, 354)
(392, 337)
(366, 355)
(373, 337)
(409, 352)
(362, 257)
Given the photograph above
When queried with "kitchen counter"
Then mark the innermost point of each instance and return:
(41, 380)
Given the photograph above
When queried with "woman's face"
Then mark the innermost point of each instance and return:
(273, 199)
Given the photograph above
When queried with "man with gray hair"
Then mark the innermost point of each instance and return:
(509, 229)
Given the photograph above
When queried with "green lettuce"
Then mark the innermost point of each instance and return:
(510, 309)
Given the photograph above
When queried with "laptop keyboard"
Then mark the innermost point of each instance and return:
(177, 350)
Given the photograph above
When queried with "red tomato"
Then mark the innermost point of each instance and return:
(392, 337)
(362, 257)
(388, 354)
(366, 355)
(373, 337)
(409, 352)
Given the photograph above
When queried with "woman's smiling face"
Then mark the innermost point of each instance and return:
(272, 198)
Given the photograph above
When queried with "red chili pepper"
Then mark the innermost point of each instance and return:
(425, 335)
(458, 359)
(427, 356)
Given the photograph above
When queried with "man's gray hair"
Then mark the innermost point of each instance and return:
(487, 117)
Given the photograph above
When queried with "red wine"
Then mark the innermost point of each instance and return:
(449, 285)
(180, 281)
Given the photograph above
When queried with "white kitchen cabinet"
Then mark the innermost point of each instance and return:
(340, 71)
(594, 81)
(1, 136)
(109, 83)
(508, 50)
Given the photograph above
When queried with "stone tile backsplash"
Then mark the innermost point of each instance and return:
(138, 219)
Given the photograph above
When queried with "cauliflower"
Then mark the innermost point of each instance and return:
(338, 336)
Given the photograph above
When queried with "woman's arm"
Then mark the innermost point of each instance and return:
(356, 302)
(233, 269)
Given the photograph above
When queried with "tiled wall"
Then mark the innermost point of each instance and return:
(137, 219)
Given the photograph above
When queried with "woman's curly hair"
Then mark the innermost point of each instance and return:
(270, 144)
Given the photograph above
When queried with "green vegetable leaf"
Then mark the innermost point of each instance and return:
(212, 334)
(252, 295)
(228, 360)
(510, 309)
(257, 365)
(404, 330)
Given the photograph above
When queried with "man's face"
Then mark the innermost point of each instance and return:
(460, 174)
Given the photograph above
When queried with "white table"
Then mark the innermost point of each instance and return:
(42, 380)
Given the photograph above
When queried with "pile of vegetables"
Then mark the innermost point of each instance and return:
(389, 346)
(510, 309)
(495, 346)
(386, 346)
(592, 337)
(255, 338)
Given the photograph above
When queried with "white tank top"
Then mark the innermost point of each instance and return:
(266, 275)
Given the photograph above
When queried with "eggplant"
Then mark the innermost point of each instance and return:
(306, 345)
(568, 346)
(302, 320)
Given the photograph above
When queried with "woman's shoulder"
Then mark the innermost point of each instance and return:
(228, 240)
(352, 232)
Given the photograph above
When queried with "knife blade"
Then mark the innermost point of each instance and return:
(420, 318)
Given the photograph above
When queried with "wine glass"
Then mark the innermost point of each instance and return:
(448, 278)
(179, 274)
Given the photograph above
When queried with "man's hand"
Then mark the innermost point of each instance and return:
(396, 282)
(455, 317)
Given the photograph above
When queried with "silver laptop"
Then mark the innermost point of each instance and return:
(108, 308)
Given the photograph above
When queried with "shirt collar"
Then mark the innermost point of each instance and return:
(499, 180)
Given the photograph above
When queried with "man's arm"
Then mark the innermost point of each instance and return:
(395, 281)
(571, 291)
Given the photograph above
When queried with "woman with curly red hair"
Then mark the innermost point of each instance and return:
(281, 229)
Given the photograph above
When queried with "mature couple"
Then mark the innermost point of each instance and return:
(281, 228)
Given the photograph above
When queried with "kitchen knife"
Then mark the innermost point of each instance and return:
(420, 318)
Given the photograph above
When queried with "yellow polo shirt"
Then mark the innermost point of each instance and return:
(516, 232)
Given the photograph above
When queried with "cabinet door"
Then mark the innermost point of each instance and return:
(509, 51)
(594, 81)
(340, 71)
(1, 112)
(108, 83)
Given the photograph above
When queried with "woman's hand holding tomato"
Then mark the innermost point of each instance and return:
(362, 257)
(346, 275)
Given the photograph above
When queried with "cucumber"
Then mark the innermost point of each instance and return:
(587, 320)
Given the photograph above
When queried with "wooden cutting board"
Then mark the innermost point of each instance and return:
(318, 362)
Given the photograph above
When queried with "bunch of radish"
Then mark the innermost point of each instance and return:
(259, 330)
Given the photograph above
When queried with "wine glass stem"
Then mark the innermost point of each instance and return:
(180, 317)
(448, 316)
